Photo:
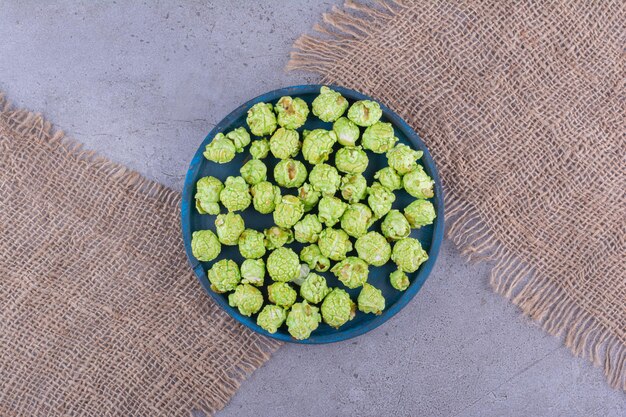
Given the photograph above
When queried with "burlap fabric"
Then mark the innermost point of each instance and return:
(522, 105)
(99, 313)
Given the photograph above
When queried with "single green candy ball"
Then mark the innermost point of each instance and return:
(314, 288)
(403, 158)
(330, 209)
(357, 219)
(334, 244)
(418, 183)
(229, 227)
(318, 145)
(347, 131)
(208, 195)
(352, 271)
(253, 272)
(408, 254)
(240, 138)
(395, 226)
(254, 171)
(353, 188)
(380, 199)
(224, 276)
(283, 265)
(292, 112)
(420, 213)
(399, 280)
(247, 299)
(282, 294)
(285, 143)
(288, 211)
(337, 308)
(351, 160)
(308, 229)
(271, 318)
(260, 148)
(373, 248)
(261, 119)
(276, 237)
(308, 196)
(290, 173)
(235, 196)
(312, 256)
(389, 178)
(265, 196)
(251, 244)
(302, 320)
(329, 105)
(365, 112)
(325, 179)
(205, 246)
(220, 150)
(371, 300)
(379, 137)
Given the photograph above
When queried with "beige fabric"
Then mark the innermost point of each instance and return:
(99, 313)
(522, 104)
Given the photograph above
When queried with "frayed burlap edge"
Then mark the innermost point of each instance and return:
(538, 297)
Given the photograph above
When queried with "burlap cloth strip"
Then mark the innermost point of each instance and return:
(522, 105)
(99, 313)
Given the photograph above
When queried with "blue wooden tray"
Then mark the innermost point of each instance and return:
(429, 236)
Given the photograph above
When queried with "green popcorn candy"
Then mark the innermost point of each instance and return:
(352, 271)
(389, 178)
(408, 254)
(254, 171)
(318, 145)
(260, 148)
(261, 119)
(265, 196)
(314, 288)
(380, 199)
(371, 300)
(365, 113)
(399, 280)
(395, 226)
(285, 143)
(251, 244)
(290, 173)
(253, 272)
(420, 213)
(220, 150)
(308, 196)
(224, 276)
(304, 272)
(288, 211)
(205, 246)
(334, 244)
(314, 259)
(325, 179)
(271, 318)
(373, 248)
(357, 219)
(353, 188)
(379, 137)
(308, 229)
(330, 209)
(337, 308)
(351, 160)
(329, 105)
(276, 237)
(302, 320)
(347, 131)
(281, 294)
(247, 299)
(403, 158)
(229, 227)
(240, 138)
(235, 196)
(208, 195)
(283, 265)
(418, 183)
(292, 112)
